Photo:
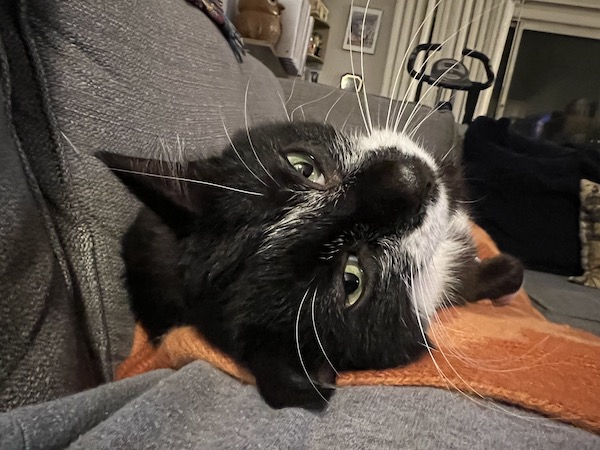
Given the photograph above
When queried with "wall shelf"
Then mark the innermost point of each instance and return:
(312, 59)
(322, 28)
(320, 24)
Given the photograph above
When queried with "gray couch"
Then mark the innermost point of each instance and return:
(129, 76)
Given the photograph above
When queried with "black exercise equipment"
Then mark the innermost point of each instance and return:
(448, 73)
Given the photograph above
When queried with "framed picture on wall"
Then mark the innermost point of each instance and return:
(363, 29)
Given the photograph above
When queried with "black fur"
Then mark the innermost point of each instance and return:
(208, 257)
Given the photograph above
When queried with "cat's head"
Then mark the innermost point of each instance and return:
(311, 242)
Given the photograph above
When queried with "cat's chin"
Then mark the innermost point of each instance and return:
(283, 386)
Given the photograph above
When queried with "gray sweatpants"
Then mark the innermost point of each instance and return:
(199, 407)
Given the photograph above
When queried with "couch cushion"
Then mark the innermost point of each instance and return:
(43, 351)
(111, 75)
(39, 328)
(564, 302)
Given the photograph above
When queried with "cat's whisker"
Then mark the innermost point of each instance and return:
(163, 154)
(333, 106)
(411, 134)
(174, 159)
(292, 91)
(493, 365)
(314, 323)
(433, 110)
(403, 105)
(444, 337)
(429, 89)
(433, 85)
(480, 363)
(440, 344)
(77, 152)
(448, 153)
(471, 202)
(403, 62)
(413, 81)
(180, 147)
(433, 331)
(236, 151)
(362, 67)
(283, 104)
(427, 314)
(469, 23)
(188, 180)
(182, 157)
(310, 103)
(297, 337)
(360, 105)
(415, 301)
(248, 133)
(482, 400)
(347, 118)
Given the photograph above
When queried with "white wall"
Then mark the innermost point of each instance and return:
(337, 60)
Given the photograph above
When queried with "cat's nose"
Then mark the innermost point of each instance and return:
(399, 186)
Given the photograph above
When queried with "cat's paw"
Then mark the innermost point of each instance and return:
(499, 278)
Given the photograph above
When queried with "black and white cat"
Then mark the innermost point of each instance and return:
(301, 251)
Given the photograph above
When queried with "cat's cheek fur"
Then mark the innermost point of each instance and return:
(437, 281)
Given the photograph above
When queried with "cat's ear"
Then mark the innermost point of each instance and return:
(159, 185)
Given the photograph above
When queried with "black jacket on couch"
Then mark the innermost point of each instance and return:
(525, 193)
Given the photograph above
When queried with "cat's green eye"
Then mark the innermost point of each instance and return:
(306, 166)
(353, 280)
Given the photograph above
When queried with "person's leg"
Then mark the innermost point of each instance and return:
(58, 423)
(199, 407)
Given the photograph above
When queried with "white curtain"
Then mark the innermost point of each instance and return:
(481, 25)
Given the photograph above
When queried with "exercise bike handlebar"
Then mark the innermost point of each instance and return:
(486, 65)
(413, 57)
(466, 52)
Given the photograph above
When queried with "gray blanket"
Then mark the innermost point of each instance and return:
(199, 407)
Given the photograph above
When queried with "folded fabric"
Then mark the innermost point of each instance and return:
(509, 353)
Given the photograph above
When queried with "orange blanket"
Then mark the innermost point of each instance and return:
(509, 353)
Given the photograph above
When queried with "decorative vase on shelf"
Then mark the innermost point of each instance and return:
(259, 19)
(314, 44)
